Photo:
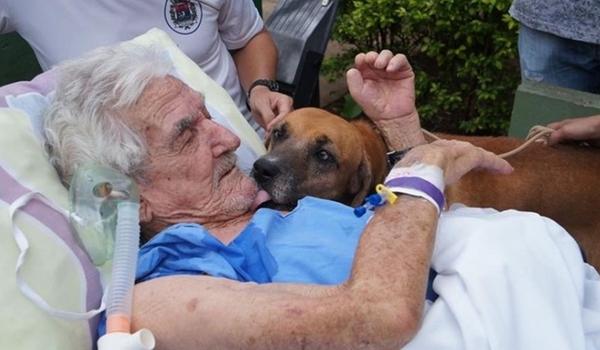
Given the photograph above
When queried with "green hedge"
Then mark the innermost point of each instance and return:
(463, 52)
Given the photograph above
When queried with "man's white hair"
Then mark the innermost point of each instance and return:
(83, 125)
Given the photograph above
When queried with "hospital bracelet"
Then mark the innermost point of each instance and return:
(419, 180)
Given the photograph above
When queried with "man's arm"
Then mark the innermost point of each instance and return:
(379, 306)
(258, 60)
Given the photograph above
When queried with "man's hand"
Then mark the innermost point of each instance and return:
(268, 106)
(576, 129)
(383, 85)
(456, 158)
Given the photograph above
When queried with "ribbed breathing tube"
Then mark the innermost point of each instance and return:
(120, 293)
(105, 213)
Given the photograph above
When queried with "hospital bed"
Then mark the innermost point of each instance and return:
(518, 306)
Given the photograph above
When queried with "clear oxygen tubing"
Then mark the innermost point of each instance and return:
(105, 211)
(120, 292)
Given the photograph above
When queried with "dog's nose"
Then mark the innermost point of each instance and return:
(265, 169)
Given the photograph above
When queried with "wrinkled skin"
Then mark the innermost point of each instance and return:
(180, 136)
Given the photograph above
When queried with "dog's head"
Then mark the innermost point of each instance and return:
(315, 153)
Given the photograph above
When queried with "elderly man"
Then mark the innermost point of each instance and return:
(121, 107)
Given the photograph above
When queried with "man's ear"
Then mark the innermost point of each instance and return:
(362, 181)
(145, 211)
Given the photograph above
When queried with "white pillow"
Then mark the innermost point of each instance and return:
(56, 267)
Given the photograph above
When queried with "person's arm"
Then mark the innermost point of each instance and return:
(379, 306)
(258, 60)
(576, 129)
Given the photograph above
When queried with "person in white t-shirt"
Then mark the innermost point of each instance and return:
(226, 38)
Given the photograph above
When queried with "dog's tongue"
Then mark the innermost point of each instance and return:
(261, 197)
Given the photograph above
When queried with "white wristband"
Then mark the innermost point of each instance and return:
(420, 180)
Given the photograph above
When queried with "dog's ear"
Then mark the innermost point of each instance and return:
(362, 181)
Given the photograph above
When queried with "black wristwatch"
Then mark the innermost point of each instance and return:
(394, 157)
(272, 85)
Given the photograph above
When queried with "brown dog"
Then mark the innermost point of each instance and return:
(316, 153)
(313, 152)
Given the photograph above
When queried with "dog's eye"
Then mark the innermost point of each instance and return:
(277, 134)
(324, 156)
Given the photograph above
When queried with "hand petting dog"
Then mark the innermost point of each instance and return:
(269, 106)
(456, 158)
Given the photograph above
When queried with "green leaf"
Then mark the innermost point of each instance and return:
(464, 53)
(351, 109)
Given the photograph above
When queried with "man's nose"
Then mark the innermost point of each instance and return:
(265, 169)
(223, 140)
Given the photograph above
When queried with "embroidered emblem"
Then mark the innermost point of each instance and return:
(183, 16)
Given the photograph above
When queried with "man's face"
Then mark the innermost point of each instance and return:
(190, 175)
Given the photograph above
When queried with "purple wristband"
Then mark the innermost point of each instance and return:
(419, 184)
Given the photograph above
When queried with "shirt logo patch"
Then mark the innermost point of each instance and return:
(183, 16)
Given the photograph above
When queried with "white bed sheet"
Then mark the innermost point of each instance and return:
(509, 280)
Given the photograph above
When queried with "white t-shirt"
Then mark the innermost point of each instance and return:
(205, 30)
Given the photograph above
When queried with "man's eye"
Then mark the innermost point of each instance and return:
(324, 156)
(188, 137)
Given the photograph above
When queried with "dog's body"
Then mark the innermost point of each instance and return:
(560, 182)
(313, 152)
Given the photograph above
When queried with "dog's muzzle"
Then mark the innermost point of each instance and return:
(265, 170)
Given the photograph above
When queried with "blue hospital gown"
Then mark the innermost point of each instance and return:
(315, 243)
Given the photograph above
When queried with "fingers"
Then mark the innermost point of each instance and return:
(355, 82)
(576, 129)
(398, 63)
(457, 158)
(284, 104)
(383, 65)
(274, 122)
(268, 105)
(557, 125)
(373, 59)
(476, 157)
(492, 162)
(263, 113)
(384, 60)
(561, 132)
(466, 157)
(556, 137)
(570, 131)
